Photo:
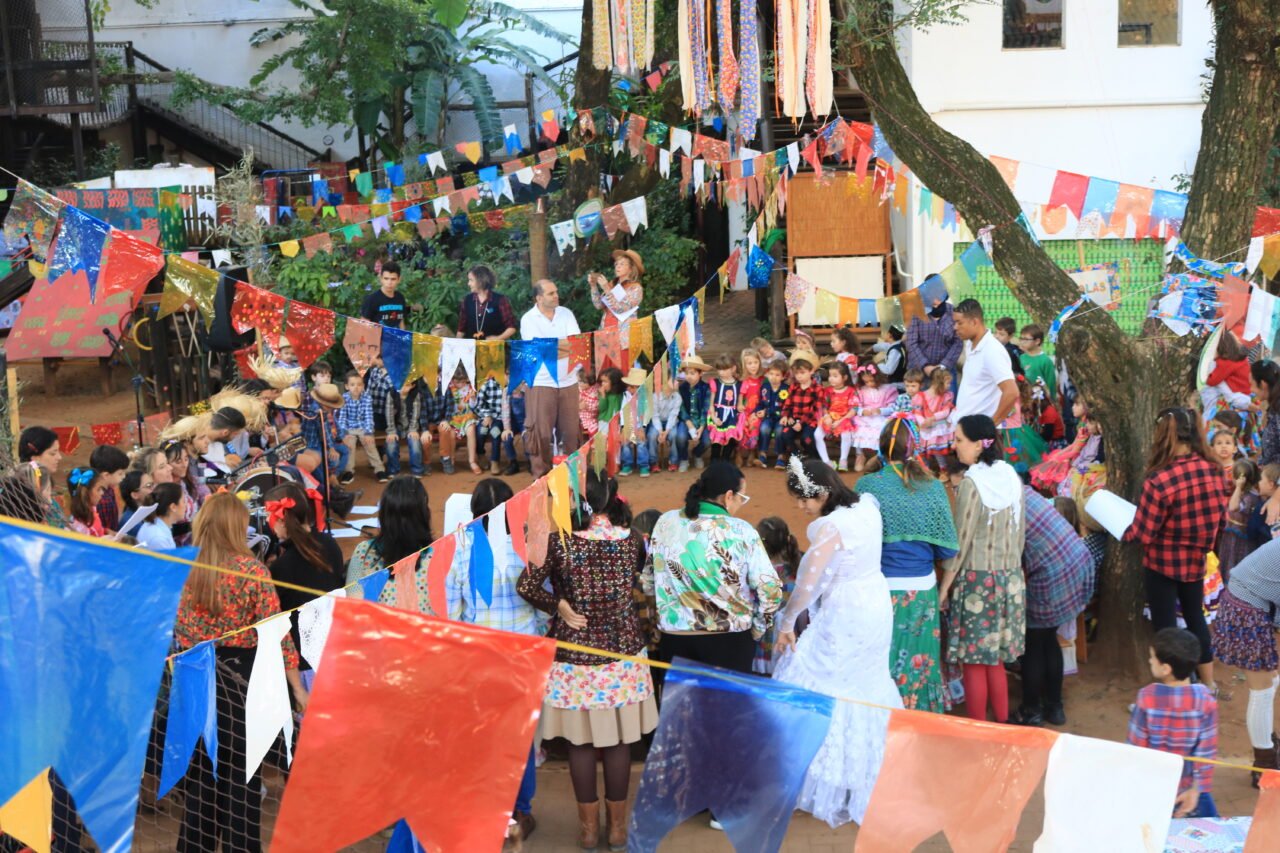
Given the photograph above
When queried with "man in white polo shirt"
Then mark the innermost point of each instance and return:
(987, 386)
(551, 405)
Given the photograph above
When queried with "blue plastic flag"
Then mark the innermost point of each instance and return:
(382, 195)
(975, 258)
(319, 190)
(488, 174)
(192, 714)
(371, 585)
(480, 571)
(528, 356)
(403, 840)
(395, 174)
(697, 760)
(1168, 207)
(867, 315)
(286, 212)
(334, 199)
(717, 123)
(1100, 198)
(422, 159)
(84, 631)
(512, 140)
(933, 291)
(78, 247)
(759, 268)
(413, 214)
(460, 225)
(397, 354)
(880, 146)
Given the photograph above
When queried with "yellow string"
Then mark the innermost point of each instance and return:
(560, 644)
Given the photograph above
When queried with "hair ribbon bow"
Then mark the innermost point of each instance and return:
(277, 509)
(81, 477)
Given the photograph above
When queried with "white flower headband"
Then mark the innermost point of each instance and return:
(804, 484)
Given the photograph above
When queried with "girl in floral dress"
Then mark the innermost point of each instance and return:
(725, 423)
(1053, 476)
(936, 404)
(600, 705)
(874, 404)
(464, 419)
(748, 403)
(838, 402)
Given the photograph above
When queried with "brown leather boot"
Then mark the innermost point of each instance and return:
(1264, 758)
(616, 814)
(589, 825)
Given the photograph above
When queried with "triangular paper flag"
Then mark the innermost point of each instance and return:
(28, 816)
(268, 710)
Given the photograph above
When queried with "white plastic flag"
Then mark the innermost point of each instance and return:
(1103, 795)
(267, 710)
(454, 352)
(314, 620)
(637, 212)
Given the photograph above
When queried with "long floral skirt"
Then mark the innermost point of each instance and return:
(915, 656)
(987, 616)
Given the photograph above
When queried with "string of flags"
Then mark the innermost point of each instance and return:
(451, 674)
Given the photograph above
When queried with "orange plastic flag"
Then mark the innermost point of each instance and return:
(1264, 832)
(539, 523)
(404, 575)
(517, 515)
(991, 772)
(392, 702)
(912, 306)
(28, 816)
(558, 485)
(1008, 169)
(437, 570)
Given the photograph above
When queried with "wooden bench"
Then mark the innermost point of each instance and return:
(51, 367)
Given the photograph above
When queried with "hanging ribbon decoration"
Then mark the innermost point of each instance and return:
(750, 69)
(728, 63)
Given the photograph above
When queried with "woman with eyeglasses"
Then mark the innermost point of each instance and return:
(845, 650)
(715, 587)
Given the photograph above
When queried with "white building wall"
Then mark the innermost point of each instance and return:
(1130, 114)
(211, 40)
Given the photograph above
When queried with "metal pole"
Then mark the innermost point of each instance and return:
(77, 146)
(9, 60)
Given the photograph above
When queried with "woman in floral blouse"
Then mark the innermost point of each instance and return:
(404, 527)
(214, 604)
(596, 703)
(716, 589)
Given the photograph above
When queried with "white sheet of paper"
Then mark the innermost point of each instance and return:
(344, 533)
(619, 293)
(1111, 511)
(363, 510)
(140, 515)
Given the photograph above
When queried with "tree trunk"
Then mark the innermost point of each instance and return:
(1126, 381)
(1237, 129)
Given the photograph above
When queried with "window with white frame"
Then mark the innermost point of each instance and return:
(1032, 23)
(1148, 22)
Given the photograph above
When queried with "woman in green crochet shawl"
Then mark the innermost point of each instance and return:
(919, 532)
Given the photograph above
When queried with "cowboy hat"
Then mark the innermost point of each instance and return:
(635, 376)
(696, 364)
(290, 398)
(633, 256)
(327, 395)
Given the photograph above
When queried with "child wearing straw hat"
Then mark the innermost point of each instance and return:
(635, 445)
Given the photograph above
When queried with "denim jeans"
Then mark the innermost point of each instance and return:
(415, 455)
(800, 442)
(635, 454)
(683, 440)
(772, 431)
(344, 456)
(489, 441)
(655, 430)
(528, 785)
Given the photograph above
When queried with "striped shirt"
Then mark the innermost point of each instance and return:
(1256, 579)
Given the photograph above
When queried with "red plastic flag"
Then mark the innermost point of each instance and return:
(1069, 190)
(107, 434)
(992, 771)
(309, 329)
(445, 708)
(255, 308)
(517, 516)
(128, 264)
(68, 438)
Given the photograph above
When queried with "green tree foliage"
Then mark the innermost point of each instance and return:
(369, 64)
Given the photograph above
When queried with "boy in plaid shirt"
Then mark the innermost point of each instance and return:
(695, 405)
(491, 410)
(355, 421)
(801, 407)
(1177, 716)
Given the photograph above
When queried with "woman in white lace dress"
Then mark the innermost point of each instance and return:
(845, 650)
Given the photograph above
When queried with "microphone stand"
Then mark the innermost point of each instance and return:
(117, 349)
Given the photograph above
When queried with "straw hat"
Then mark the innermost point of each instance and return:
(277, 377)
(696, 364)
(633, 256)
(327, 395)
(808, 355)
(635, 376)
(282, 343)
(290, 398)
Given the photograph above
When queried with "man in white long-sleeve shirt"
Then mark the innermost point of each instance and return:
(552, 402)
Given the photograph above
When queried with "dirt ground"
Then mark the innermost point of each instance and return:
(1096, 700)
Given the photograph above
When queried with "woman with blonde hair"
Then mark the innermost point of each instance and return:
(214, 604)
(619, 299)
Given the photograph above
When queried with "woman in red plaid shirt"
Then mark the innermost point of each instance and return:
(1180, 512)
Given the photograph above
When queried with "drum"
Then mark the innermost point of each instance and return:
(259, 480)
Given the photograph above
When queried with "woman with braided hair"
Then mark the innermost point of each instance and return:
(845, 650)
(919, 532)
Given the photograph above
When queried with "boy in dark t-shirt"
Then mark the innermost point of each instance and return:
(385, 305)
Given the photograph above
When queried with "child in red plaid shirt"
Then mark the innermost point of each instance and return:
(802, 406)
(1177, 716)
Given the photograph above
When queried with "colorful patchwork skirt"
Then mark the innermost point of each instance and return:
(1244, 636)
